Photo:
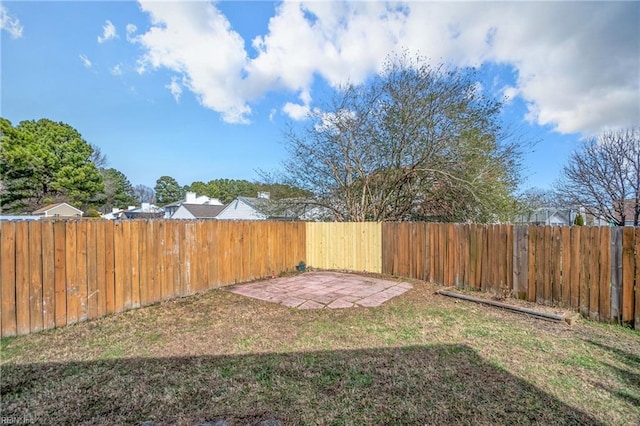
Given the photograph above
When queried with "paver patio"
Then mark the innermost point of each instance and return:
(318, 290)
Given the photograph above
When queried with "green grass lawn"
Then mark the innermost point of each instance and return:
(419, 359)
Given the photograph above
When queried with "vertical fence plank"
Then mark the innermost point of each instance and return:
(110, 262)
(72, 272)
(574, 273)
(152, 261)
(605, 274)
(101, 267)
(8, 277)
(48, 276)
(135, 263)
(92, 270)
(628, 274)
(585, 259)
(565, 236)
(594, 274)
(119, 265)
(81, 265)
(35, 276)
(22, 278)
(143, 227)
(636, 321)
(556, 262)
(616, 274)
(60, 272)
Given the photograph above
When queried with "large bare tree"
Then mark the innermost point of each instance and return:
(603, 177)
(414, 143)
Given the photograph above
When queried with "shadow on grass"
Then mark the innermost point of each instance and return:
(440, 384)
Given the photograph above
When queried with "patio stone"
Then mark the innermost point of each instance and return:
(318, 290)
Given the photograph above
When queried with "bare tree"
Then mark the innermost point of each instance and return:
(415, 143)
(98, 158)
(145, 194)
(603, 177)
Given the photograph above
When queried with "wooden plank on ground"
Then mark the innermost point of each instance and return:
(35, 275)
(628, 274)
(48, 276)
(8, 277)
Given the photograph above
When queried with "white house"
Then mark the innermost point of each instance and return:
(197, 211)
(190, 198)
(263, 208)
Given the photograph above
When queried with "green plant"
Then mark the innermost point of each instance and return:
(579, 220)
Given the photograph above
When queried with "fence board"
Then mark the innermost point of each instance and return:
(71, 258)
(556, 265)
(119, 265)
(109, 262)
(637, 280)
(605, 275)
(48, 276)
(565, 280)
(81, 265)
(101, 266)
(35, 275)
(628, 274)
(576, 266)
(616, 275)
(60, 273)
(134, 255)
(585, 239)
(92, 270)
(22, 278)
(8, 277)
(594, 274)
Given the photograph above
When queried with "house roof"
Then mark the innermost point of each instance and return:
(52, 206)
(204, 211)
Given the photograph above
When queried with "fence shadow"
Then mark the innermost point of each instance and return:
(437, 384)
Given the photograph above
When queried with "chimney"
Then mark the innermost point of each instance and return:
(146, 207)
(190, 198)
(265, 195)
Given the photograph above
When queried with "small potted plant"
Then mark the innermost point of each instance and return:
(301, 266)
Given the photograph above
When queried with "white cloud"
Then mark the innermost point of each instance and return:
(85, 61)
(175, 88)
(116, 70)
(296, 111)
(196, 41)
(10, 24)
(131, 32)
(108, 32)
(576, 63)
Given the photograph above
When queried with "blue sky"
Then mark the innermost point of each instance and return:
(202, 90)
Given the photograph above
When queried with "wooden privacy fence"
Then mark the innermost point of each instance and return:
(593, 270)
(55, 273)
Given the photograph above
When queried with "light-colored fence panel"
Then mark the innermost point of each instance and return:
(353, 246)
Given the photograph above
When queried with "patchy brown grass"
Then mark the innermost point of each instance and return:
(419, 359)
